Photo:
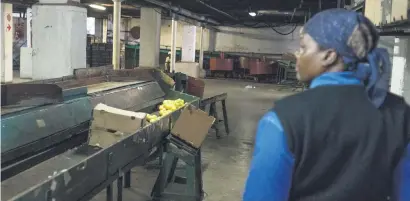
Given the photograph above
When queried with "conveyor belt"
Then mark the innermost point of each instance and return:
(82, 172)
(40, 173)
(29, 130)
(77, 173)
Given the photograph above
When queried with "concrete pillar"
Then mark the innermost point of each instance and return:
(116, 39)
(6, 42)
(174, 26)
(105, 31)
(59, 38)
(400, 80)
(150, 37)
(26, 62)
(28, 24)
(188, 43)
(201, 49)
(212, 40)
(126, 28)
(98, 28)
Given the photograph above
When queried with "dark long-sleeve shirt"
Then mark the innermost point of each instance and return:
(270, 174)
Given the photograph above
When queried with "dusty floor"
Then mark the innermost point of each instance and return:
(226, 159)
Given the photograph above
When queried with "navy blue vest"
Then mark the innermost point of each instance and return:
(345, 149)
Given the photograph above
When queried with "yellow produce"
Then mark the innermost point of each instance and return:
(151, 118)
(164, 112)
(173, 108)
(179, 103)
(168, 105)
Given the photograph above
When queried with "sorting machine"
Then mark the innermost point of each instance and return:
(45, 154)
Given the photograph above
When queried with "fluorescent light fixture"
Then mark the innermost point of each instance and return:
(98, 7)
(253, 14)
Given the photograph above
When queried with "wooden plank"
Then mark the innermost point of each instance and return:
(399, 9)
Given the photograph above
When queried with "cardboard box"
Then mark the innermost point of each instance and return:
(110, 118)
(111, 124)
(192, 126)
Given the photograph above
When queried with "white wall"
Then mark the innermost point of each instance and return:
(231, 39)
(263, 40)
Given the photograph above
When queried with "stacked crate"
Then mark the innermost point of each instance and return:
(101, 54)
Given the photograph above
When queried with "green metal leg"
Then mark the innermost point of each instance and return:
(225, 114)
(120, 183)
(214, 113)
(127, 179)
(192, 172)
(109, 192)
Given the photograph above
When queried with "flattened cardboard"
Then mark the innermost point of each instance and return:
(110, 118)
(192, 126)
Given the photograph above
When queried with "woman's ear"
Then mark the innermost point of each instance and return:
(329, 58)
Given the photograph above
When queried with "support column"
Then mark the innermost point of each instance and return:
(105, 31)
(150, 37)
(188, 43)
(59, 38)
(201, 49)
(98, 28)
(28, 24)
(212, 40)
(174, 26)
(116, 39)
(6, 42)
(400, 80)
(126, 28)
(26, 53)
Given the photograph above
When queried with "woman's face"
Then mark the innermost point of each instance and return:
(308, 59)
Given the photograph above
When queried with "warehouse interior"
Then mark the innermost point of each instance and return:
(231, 59)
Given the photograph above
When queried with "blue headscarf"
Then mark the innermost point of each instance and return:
(354, 38)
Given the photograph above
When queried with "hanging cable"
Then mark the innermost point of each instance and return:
(284, 34)
(295, 26)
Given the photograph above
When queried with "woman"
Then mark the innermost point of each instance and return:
(344, 139)
(168, 63)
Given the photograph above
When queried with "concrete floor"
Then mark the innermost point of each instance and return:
(226, 159)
